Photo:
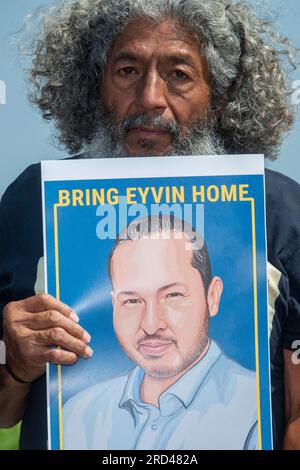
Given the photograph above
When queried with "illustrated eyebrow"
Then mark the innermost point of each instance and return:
(174, 284)
(168, 286)
(127, 292)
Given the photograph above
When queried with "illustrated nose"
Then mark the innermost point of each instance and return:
(151, 93)
(153, 318)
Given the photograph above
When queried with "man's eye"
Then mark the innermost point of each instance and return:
(181, 76)
(127, 72)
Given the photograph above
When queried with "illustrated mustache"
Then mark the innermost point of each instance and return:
(158, 123)
(156, 338)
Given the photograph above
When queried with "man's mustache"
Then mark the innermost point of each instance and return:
(158, 123)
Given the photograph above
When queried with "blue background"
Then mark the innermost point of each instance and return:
(25, 138)
(84, 283)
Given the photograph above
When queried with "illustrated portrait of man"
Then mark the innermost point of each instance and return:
(148, 78)
(184, 393)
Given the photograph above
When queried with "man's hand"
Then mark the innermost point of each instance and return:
(31, 326)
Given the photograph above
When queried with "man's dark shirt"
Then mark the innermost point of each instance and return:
(21, 247)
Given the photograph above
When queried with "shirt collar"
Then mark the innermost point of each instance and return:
(181, 392)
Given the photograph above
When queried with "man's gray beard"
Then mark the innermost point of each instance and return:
(191, 356)
(108, 140)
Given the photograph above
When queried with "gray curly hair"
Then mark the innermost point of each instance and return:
(245, 54)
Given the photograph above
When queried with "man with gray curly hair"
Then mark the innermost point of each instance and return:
(137, 78)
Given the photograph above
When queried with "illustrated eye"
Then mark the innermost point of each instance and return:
(132, 302)
(174, 294)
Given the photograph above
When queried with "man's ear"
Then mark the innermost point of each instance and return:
(214, 295)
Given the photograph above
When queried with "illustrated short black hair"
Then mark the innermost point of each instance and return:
(144, 227)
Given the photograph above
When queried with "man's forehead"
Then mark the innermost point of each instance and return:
(168, 36)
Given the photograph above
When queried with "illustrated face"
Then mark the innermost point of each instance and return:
(155, 70)
(161, 314)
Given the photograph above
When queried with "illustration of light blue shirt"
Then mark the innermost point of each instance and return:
(212, 406)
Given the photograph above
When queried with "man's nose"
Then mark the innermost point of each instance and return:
(153, 318)
(151, 93)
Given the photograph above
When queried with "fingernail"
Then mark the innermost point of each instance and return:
(74, 317)
(88, 352)
(86, 337)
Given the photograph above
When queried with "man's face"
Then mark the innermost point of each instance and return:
(155, 71)
(161, 314)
